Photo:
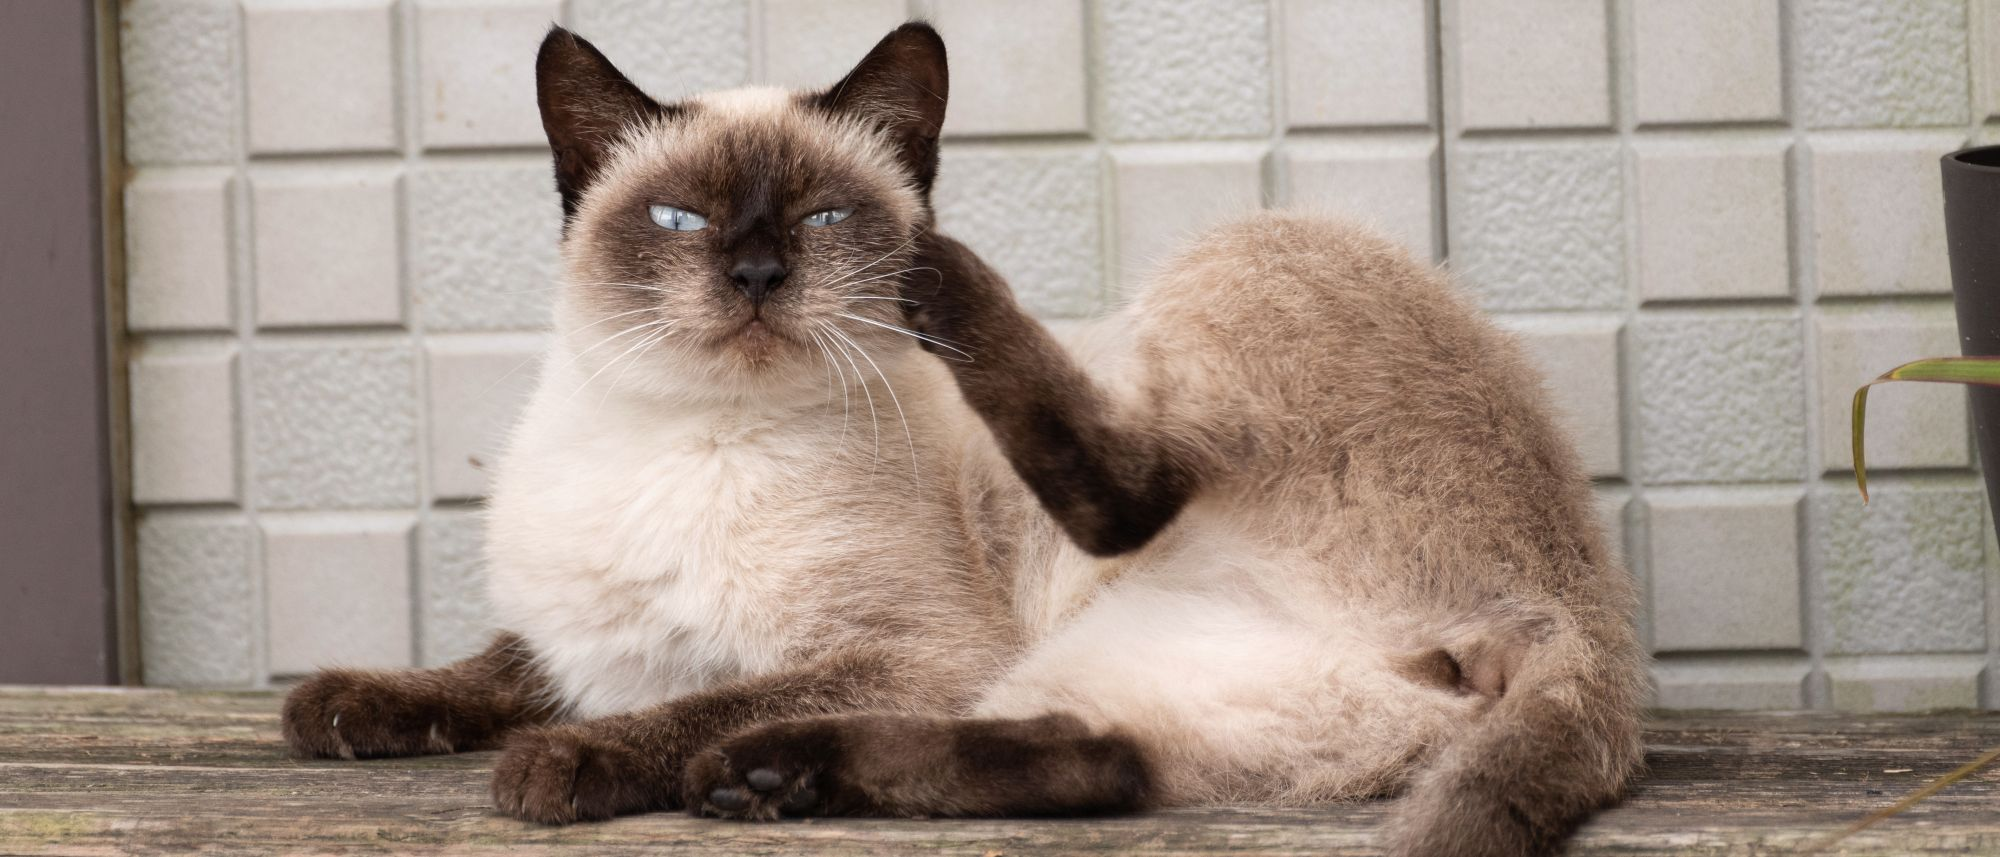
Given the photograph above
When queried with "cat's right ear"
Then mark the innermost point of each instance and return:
(587, 107)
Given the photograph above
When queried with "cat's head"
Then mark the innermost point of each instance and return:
(746, 239)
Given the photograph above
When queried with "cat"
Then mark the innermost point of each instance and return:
(808, 517)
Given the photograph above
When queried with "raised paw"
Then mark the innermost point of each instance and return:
(785, 769)
(346, 714)
(564, 774)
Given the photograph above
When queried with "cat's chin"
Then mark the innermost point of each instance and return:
(757, 343)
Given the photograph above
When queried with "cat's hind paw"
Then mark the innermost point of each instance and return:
(769, 772)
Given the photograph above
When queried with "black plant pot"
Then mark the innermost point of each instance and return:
(1972, 233)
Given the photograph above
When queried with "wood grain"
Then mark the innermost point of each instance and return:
(158, 772)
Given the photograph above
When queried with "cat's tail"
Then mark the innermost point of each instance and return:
(1560, 742)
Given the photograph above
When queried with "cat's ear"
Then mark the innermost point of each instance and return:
(587, 107)
(901, 86)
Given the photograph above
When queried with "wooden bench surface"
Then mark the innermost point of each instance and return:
(149, 771)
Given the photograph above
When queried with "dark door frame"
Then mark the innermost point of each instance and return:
(65, 602)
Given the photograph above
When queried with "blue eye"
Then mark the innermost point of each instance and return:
(678, 220)
(828, 217)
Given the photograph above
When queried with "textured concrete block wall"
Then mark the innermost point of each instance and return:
(1706, 219)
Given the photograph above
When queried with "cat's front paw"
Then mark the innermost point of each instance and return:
(564, 774)
(348, 714)
(783, 769)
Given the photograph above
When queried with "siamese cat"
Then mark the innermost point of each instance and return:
(808, 517)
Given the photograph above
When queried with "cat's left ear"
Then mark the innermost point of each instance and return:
(901, 86)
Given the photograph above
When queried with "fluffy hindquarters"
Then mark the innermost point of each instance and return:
(1235, 694)
(1561, 743)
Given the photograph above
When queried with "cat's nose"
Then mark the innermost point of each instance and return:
(758, 276)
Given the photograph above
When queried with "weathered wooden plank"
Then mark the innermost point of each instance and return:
(161, 772)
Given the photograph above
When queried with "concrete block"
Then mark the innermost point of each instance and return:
(483, 240)
(1391, 186)
(1017, 66)
(1712, 222)
(1613, 506)
(1722, 397)
(1878, 213)
(671, 48)
(1577, 356)
(1532, 64)
(322, 75)
(453, 619)
(810, 44)
(1905, 684)
(1707, 61)
(1170, 69)
(177, 250)
(328, 246)
(1986, 53)
(1724, 564)
(179, 61)
(184, 424)
(1910, 425)
(1169, 194)
(1032, 213)
(333, 425)
(1357, 62)
(338, 591)
(1873, 63)
(476, 71)
(197, 605)
(478, 386)
(1747, 684)
(1905, 573)
(1539, 225)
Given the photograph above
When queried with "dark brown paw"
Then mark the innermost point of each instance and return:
(345, 714)
(785, 769)
(563, 774)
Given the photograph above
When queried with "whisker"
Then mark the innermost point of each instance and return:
(645, 343)
(850, 286)
(517, 367)
(874, 419)
(908, 437)
(845, 400)
(908, 332)
(875, 298)
(878, 260)
(614, 361)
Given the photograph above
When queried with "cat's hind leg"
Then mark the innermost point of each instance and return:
(910, 766)
(468, 705)
(1173, 687)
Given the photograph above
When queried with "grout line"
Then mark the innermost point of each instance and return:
(409, 103)
(243, 260)
(1274, 170)
(1805, 292)
(1440, 166)
(1619, 39)
(1110, 292)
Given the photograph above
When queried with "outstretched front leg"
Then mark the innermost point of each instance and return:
(469, 705)
(631, 763)
(1111, 479)
(912, 766)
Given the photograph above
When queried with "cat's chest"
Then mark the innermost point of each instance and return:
(655, 563)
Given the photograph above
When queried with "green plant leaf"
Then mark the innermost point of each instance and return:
(1944, 370)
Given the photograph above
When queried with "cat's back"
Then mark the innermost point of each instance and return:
(1352, 395)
